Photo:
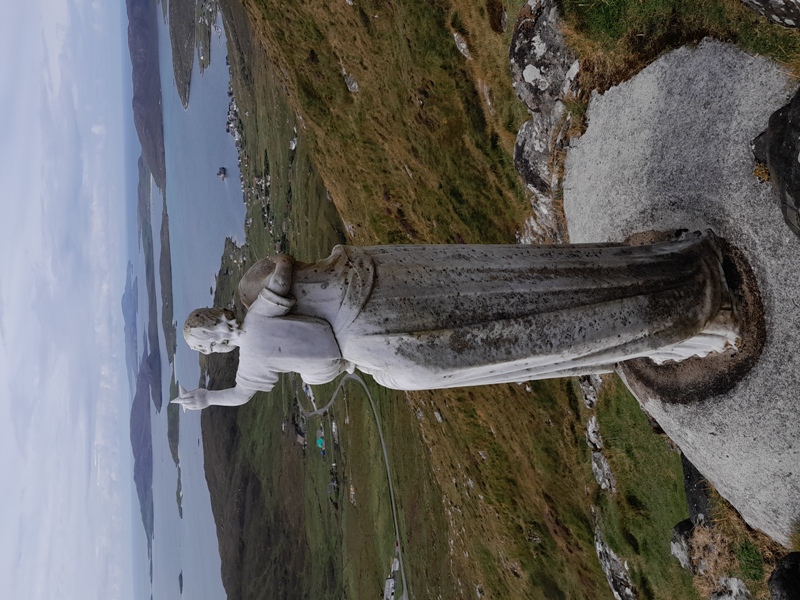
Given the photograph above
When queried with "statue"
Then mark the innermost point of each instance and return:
(425, 317)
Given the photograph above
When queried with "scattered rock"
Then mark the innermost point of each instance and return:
(349, 80)
(732, 589)
(461, 44)
(593, 434)
(616, 572)
(543, 71)
(698, 492)
(784, 12)
(784, 583)
(779, 148)
(680, 546)
(590, 386)
(602, 473)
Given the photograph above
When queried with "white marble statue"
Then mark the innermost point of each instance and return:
(424, 317)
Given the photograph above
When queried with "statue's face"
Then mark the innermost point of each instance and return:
(219, 338)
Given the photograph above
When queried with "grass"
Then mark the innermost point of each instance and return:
(617, 38)
(637, 522)
(417, 154)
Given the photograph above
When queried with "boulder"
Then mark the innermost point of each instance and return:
(778, 147)
(784, 12)
(784, 583)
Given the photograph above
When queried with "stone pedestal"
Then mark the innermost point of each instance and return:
(670, 150)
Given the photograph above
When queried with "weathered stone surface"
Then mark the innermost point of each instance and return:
(543, 71)
(670, 149)
(698, 496)
(732, 589)
(784, 583)
(785, 12)
(779, 148)
(542, 68)
(679, 544)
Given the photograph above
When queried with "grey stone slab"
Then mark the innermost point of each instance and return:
(667, 150)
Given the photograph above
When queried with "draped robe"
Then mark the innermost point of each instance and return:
(437, 316)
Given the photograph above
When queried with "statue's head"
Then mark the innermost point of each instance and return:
(210, 330)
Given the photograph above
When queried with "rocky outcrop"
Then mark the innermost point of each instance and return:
(784, 12)
(602, 473)
(543, 71)
(784, 583)
(615, 570)
(147, 109)
(778, 147)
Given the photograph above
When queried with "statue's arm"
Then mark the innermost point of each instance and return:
(201, 398)
(273, 273)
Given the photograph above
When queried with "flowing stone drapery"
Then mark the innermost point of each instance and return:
(426, 317)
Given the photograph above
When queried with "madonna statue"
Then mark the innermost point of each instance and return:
(423, 317)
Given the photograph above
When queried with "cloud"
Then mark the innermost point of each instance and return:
(64, 459)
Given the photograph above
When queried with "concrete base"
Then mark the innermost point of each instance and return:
(670, 150)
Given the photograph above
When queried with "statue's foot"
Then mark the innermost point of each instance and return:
(712, 362)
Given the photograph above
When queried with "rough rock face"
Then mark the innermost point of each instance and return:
(541, 64)
(602, 473)
(785, 12)
(147, 110)
(778, 147)
(543, 72)
(784, 583)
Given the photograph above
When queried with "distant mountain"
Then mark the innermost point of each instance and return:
(130, 301)
(168, 326)
(142, 446)
(182, 17)
(147, 108)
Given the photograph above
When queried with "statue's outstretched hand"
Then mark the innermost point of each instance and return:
(196, 399)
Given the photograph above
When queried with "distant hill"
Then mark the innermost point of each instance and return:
(147, 108)
(142, 446)
(130, 299)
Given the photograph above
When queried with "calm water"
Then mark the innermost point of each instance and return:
(203, 211)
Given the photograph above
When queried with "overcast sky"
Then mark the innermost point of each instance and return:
(65, 464)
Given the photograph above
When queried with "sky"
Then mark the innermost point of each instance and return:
(65, 459)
